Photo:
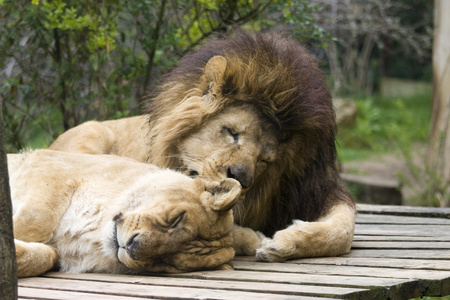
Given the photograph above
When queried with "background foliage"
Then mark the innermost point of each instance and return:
(64, 62)
(375, 38)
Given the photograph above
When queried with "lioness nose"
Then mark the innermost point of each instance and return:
(242, 174)
(131, 246)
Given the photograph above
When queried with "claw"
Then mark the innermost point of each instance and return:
(269, 252)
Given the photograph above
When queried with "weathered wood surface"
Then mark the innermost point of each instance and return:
(398, 253)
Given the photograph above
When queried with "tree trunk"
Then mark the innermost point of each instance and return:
(8, 267)
(440, 118)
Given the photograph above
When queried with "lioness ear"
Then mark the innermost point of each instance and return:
(215, 68)
(224, 194)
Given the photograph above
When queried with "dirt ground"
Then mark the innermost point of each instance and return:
(386, 166)
(391, 167)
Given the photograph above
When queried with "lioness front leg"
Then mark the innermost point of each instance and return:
(246, 240)
(330, 235)
(37, 216)
(34, 259)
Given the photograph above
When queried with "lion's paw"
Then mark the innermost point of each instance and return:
(34, 259)
(246, 240)
(277, 249)
(20, 250)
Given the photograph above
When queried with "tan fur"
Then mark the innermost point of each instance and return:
(106, 213)
(125, 137)
(253, 107)
(330, 235)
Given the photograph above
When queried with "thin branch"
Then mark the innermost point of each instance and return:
(155, 38)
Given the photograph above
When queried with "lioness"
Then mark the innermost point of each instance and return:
(253, 107)
(111, 214)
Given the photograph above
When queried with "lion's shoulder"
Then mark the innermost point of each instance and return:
(123, 137)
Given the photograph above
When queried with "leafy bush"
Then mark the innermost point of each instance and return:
(385, 124)
(64, 62)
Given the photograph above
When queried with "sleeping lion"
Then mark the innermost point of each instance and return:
(253, 107)
(105, 213)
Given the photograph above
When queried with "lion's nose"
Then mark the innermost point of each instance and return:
(242, 174)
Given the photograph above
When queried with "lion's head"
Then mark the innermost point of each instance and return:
(253, 107)
(185, 226)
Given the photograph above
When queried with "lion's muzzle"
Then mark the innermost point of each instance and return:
(241, 173)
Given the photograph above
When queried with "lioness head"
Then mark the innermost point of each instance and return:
(185, 226)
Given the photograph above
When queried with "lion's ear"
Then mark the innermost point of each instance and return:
(215, 68)
(224, 194)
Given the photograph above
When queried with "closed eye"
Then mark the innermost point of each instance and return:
(233, 134)
(175, 222)
(193, 174)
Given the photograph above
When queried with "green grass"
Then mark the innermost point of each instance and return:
(384, 125)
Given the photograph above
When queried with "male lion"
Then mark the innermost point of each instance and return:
(253, 107)
(112, 214)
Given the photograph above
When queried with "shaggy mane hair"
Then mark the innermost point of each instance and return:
(280, 78)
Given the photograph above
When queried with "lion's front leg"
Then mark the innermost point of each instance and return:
(34, 259)
(331, 235)
(35, 224)
(246, 240)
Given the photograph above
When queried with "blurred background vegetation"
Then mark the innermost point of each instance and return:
(65, 62)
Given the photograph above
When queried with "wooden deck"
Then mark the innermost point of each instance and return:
(398, 253)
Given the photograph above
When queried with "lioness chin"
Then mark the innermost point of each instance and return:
(106, 213)
(255, 108)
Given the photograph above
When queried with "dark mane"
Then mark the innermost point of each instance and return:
(278, 76)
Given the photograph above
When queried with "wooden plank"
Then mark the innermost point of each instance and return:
(49, 294)
(407, 230)
(369, 272)
(396, 253)
(402, 238)
(381, 287)
(391, 219)
(137, 290)
(432, 281)
(398, 263)
(434, 212)
(266, 287)
(400, 245)
(432, 264)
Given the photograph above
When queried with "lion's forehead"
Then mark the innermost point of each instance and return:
(246, 120)
(254, 136)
